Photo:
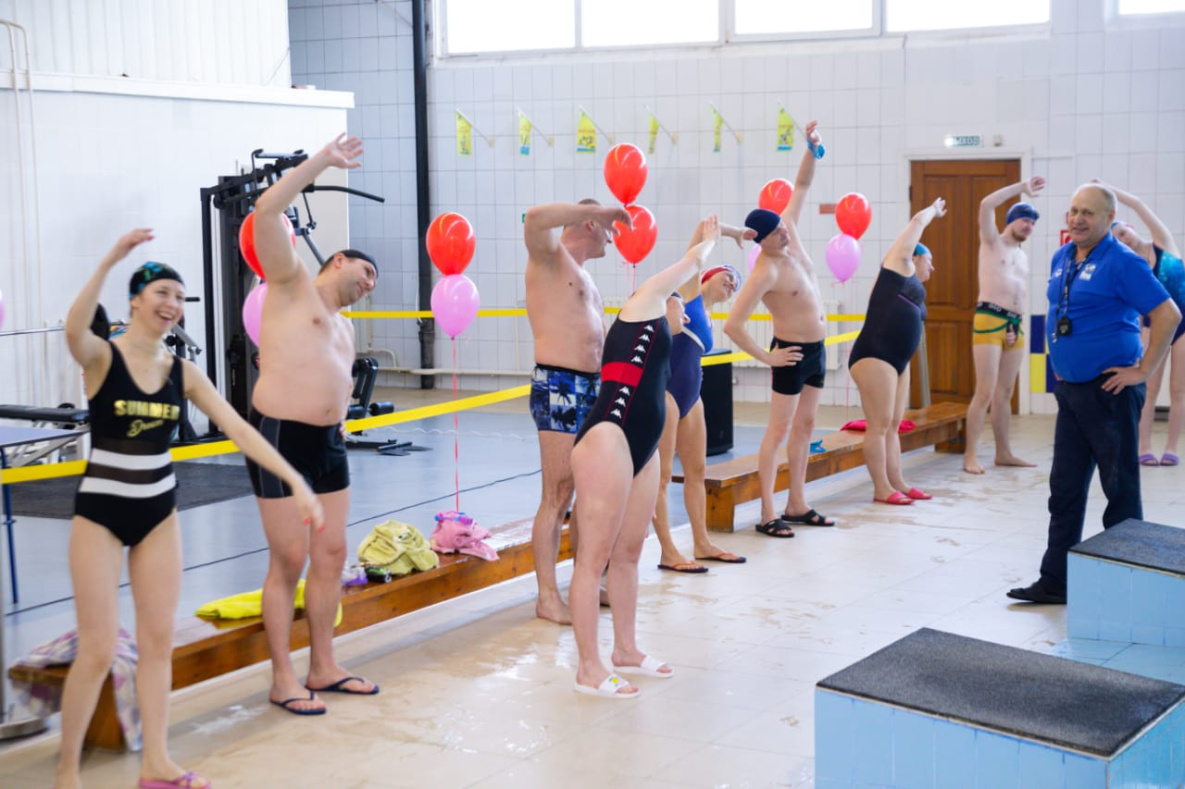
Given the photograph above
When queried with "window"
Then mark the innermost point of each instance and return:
(906, 15)
(758, 17)
(487, 26)
(1150, 6)
(615, 23)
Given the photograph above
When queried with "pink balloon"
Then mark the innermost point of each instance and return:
(753, 253)
(253, 311)
(455, 302)
(843, 256)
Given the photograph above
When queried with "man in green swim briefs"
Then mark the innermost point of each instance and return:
(999, 315)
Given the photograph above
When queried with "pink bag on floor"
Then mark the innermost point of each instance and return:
(861, 425)
(457, 533)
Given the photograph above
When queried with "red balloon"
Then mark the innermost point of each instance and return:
(852, 214)
(450, 243)
(625, 172)
(247, 241)
(775, 195)
(635, 243)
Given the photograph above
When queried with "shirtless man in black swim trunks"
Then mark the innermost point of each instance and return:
(784, 280)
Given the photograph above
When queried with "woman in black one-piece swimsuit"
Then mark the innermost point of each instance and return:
(137, 389)
(615, 469)
(879, 361)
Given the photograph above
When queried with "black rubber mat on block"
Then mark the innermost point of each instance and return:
(1014, 691)
(1140, 543)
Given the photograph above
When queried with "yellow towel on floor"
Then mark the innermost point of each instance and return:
(249, 604)
(397, 548)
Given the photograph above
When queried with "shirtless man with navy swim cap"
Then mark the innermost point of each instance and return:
(784, 280)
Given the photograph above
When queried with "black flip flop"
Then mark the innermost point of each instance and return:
(286, 705)
(734, 560)
(684, 567)
(808, 518)
(340, 687)
(775, 528)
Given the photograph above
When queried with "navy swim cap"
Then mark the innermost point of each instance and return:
(763, 222)
(921, 249)
(1022, 211)
(151, 272)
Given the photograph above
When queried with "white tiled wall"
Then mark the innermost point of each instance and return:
(1087, 98)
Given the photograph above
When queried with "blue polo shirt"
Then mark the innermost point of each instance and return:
(1111, 290)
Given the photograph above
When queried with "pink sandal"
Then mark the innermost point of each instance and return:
(918, 495)
(896, 497)
(189, 780)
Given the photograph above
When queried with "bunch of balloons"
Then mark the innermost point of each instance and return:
(625, 174)
(253, 304)
(455, 300)
(852, 214)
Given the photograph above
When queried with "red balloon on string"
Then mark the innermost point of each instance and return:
(635, 243)
(852, 214)
(625, 172)
(775, 195)
(247, 241)
(450, 243)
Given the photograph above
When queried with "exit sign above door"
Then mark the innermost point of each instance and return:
(963, 141)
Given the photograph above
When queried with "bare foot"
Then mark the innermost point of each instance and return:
(674, 559)
(555, 611)
(1013, 460)
(635, 659)
(71, 781)
(971, 466)
(338, 680)
(295, 698)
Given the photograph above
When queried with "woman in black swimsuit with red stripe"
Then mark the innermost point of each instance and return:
(616, 469)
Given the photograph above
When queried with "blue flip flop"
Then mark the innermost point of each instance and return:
(286, 705)
(340, 687)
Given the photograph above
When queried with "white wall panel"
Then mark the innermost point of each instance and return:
(239, 42)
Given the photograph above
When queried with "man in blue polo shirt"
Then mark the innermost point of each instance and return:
(1098, 289)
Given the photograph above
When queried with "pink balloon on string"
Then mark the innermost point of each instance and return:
(753, 253)
(253, 311)
(843, 256)
(455, 302)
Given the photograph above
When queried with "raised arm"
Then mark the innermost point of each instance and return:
(988, 232)
(691, 288)
(87, 349)
(1161, 236)
(280, 263)
(542, 220)
(805, 177)
(202, 393)
(900, 255)
(650, 298)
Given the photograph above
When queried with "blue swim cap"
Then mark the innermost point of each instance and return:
(150, 272)
(763, 222)
(1022, 211)
(921, 249)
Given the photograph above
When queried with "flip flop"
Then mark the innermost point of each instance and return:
(187, 781)
(728, 557)
(775, 528)
(808, 518)
(608, 689)
(340, 687)
(684, 567)
(286, 705)
(1148, 459)
(918, 495)
(649, 668)
(896, 497)
(1169, 459)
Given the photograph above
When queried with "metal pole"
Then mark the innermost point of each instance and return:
(924, 371)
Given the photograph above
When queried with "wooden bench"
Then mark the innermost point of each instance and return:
(208, 648)
(734, 482)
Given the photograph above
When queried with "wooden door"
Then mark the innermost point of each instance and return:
(952, 290)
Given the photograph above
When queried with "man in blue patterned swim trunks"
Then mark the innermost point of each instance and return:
(565, 311)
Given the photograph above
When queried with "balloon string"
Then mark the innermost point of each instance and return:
(456, 436)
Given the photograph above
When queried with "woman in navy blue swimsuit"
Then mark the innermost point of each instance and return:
(136, 390)
(616, 473)
(879, 361)
(686, 431)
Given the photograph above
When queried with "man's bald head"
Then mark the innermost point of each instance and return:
(1092, 210)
